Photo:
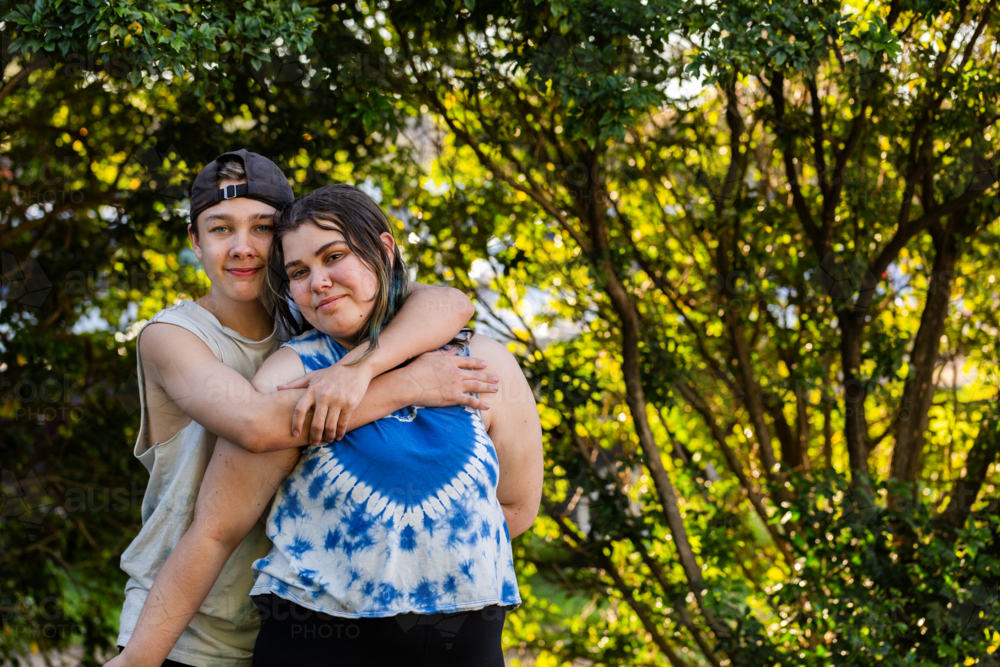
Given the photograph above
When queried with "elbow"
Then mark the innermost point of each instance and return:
(214, 533)
(529, 520)
(520, 519)
(249, 436)
(462, 305)
(468, 309)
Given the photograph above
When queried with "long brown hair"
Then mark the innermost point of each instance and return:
(348, 210)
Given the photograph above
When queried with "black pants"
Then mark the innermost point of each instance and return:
(293, 635)
(166, 663)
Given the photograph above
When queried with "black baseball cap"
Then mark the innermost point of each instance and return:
(265, 183)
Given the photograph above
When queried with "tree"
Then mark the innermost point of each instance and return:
(760, 317)
(774, 223)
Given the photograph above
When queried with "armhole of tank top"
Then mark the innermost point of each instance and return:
(142, 445)
(142, 438)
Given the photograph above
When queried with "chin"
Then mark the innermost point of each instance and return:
(243, 292)
(334, 331)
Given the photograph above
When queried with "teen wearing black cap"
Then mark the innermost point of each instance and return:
(195, 361)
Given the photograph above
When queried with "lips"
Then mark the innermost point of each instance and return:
(244, 273)
(329, 301)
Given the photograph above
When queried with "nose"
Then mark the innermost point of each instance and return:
(320, 281)
(242, 248)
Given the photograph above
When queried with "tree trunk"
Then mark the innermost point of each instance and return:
(754, 405)
(677, 600)
(855, 391)
(827, 426)
(798, 456)
(642, 611)
(625, 308)
(918, 391)
(786, 438)
(985, 450)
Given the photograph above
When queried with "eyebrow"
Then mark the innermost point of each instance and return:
(229, 218)
(319, 252)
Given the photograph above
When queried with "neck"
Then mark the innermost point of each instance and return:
(346, 343)
(247, 318)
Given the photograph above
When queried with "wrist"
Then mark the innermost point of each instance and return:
(127, 659)
(368, 366)
(406, 391)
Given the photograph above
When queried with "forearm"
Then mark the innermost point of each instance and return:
(180, 588)
(234, 494)
(429, 319)
(386, 394)
(262, 423)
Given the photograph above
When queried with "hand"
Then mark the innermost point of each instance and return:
(442, 378)
(333, 393)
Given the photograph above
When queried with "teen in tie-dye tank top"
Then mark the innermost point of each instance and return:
(399, 516)
(400, 531)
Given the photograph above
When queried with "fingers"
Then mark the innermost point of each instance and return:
(481, 378)
(480, 387)
(302, 409)
(299, 383)
(470, 362)
(330, 428)
(341, 430)
(489, 378)
(320, 419)
(335, 428)
(474, 402)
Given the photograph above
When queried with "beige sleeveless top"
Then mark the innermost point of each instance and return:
(225, 628)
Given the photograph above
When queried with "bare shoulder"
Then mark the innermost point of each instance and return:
(498, 358)
(162, 345)
(160, 338)
(281, 367)
(514, 396)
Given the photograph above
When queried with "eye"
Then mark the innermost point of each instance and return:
(267, 229)
(220, 228)
(297, 273)
(333, 256)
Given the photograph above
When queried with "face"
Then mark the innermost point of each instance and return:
(233, 242)
(332, 287)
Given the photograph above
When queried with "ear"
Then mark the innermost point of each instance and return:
(194, 241)
(390, 245)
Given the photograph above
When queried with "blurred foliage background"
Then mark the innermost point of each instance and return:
(746, 252)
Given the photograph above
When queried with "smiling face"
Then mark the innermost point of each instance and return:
(233, 241)
(332, 287)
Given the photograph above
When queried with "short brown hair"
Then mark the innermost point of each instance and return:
(231, 169)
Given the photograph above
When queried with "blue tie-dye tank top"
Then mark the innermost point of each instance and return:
(399, 516)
